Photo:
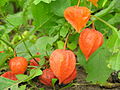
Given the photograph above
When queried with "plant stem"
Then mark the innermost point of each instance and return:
(90, 5)
(107, 85)
(7, 43)
(104, 22)
(31, 32)
(106, 10)
(109, 25)
(19, 81)
(78, 3)
(4, 67)
(54, 88)
(93, 25)
(66, 41)
(32, 84)
(27, 47)
(23, 43)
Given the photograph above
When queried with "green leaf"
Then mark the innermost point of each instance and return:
(42, 60)
(4, 56)
(119, 75)
(41, 13)
(101, 3)
(2, 30)
(60, 44)
(97, 63)
(21, 50)
(73, 41)
(5, 83)
(22, 87)
(42, 43)
(54, 81)
(59, 6)
(74, 2)
(115, 20)
(36, 72)
(106, 10)
(81, 58)
(41, 89)
(15, 19)
(14, 87)
(114, 59)
(46, 1)
(117, 6)
(114, 62)
(51, 22)
(63, 31)
(21, 76)
(100, 26)
(111, 42)
(3, 2)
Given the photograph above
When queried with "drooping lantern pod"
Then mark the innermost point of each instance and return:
(77, 16)
(1, 51)
(9, 75)
(71, 77)
(34, 63)
(94, 2)
(89, 41)
(46, 77)
(62, 63)
(18, 65)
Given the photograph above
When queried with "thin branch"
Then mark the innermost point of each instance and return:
(93, 25)
(109, 25)
(27, 47)
(78, 3)
(31, 32)
(66, 41)
(106, 85)
(7, 43)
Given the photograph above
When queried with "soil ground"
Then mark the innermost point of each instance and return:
(81, 75)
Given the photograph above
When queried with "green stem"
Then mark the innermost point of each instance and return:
(90, 5)
(23, 43)
(65, 44)
(4, 67)
(26, 79)
(54, 88)
(109, 25)
(107, 85)
(7, 43)
(106, 10)
(104, 22)
(31, 32)
(32, 84)
(27, 47)
(78, 3)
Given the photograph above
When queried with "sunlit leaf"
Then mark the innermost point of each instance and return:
(5, 83)
(97, 63)
(46, 1)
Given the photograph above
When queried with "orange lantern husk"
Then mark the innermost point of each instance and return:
(62, 63)
(89, 41)
(9, 75)
(46, 77)
(94, 2)
(71, 77)
(77, 16)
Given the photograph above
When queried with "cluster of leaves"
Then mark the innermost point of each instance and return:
(40, 26)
